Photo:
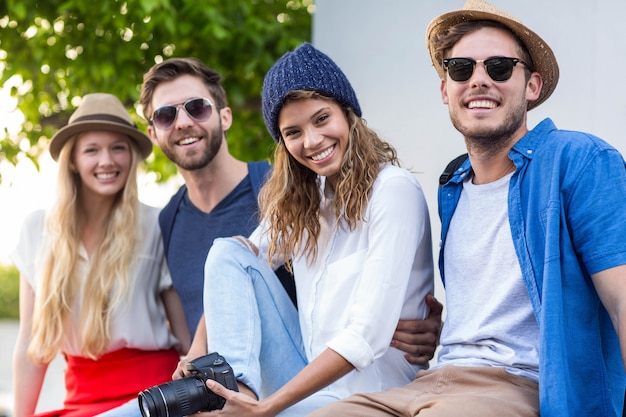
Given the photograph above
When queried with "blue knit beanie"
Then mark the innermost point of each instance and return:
(305, 68)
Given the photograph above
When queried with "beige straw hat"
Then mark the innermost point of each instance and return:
(100, 111)
(542, 56)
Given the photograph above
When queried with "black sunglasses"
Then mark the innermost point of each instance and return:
(499, 68)
(198, 109)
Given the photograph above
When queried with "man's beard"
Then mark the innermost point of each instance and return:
(194, 160)
(491, 141)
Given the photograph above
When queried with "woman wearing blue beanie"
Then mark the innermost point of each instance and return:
(356, 229)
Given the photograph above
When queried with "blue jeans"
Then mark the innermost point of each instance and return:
(129, 409)
(251, 321)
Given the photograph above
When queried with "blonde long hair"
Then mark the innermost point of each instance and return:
(108, 280)
(290, 199)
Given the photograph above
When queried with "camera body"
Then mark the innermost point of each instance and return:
(186, 396)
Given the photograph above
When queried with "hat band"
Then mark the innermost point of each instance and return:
(104, 118)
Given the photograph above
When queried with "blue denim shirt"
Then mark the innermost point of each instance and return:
(567, 212)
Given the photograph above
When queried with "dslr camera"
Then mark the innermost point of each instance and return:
(186, 396)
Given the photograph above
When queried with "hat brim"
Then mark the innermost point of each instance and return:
(543, 58)
(144, 144)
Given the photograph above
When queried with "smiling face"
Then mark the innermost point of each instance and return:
(189, 143)
(102, 159)
(491, 115)
(316, 133)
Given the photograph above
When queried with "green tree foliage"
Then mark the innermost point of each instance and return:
(63, 49)
(9, 292)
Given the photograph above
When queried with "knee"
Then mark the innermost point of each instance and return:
(220, 251)
(247, 243)
(227, 253)
(225, 248)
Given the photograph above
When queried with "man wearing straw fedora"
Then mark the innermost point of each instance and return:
(533, 255)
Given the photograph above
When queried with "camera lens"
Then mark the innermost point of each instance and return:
(144, 405)
(178, 398)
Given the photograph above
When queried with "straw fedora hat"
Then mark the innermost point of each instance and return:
(542, 56)
(100, 111)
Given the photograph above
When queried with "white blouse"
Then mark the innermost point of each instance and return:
(139, 324)
(363, 281)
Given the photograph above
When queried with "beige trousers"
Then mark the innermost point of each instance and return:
(449, 391)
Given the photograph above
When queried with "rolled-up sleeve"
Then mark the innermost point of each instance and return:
(397, 221)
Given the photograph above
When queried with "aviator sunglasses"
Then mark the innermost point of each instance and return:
(499, 68)
(199, 109)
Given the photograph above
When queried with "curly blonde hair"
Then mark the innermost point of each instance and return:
(108, 280)
(290, 199)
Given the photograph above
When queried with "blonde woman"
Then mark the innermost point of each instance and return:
(355, 226)
(94, 285)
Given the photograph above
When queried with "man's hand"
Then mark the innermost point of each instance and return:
(198, 348)
(419, 338)
(181, 369)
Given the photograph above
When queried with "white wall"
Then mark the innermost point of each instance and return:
(380, 45)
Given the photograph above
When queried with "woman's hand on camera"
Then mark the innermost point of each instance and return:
(242, 403)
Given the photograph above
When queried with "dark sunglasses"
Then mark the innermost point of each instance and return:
(499, 68)
(199, 109)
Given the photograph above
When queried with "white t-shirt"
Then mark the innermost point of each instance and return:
(363, 281)
(490, 321)
(140, 324)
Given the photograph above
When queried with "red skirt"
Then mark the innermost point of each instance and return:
(96, 386)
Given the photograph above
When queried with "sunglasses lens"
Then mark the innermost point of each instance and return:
(164, 116)
(460, 69)
(198, 108)
(499, 69)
